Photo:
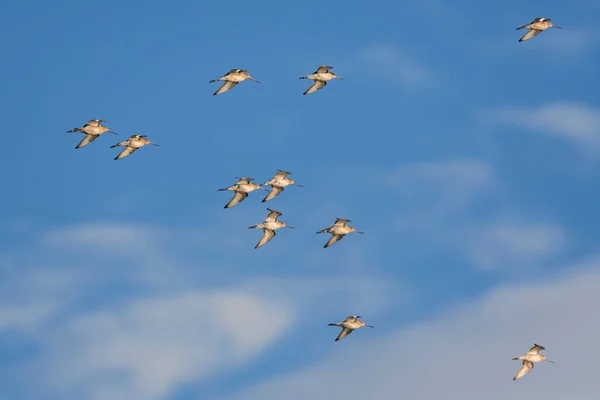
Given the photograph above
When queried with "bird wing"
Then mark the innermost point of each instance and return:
(323, 69)
(334, 239)
(245, 180)
(273, 215)
(237, 197)
(127, 151)
(536, 349)
(525, 368)
(86, 140)
(95, 122)
(280, 173)
(318, 85)
(352, 318)
(345, 332)
(341, 221)
(226, 86)
(275, 190)
(531, 33)
(267, 235)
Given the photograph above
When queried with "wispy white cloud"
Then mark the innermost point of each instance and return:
(437, 190)
(514, 243)
(146, 347)
(577, 123)
(396, 66)
(467, 350)
(459, 177)
(442, 196)
(96, 340)
(105, 236)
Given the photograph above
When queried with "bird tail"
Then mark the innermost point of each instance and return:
(323, 230)
(516, 358)
(75, 130)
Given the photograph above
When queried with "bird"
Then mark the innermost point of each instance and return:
(92, 130)
(278, 183)
(535, 27)
(232, 78)
(132, 144)
(532, 356)
(320, 76)
(338, 230)
(241, 189)
(269, 226)
(348, 325)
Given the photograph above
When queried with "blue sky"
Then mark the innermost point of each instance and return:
(468, 159)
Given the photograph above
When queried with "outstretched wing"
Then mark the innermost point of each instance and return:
(267, 236)
(273, 215)
(531, 33)
(536, 349)
(237, 197)
(334, 239)
(280, 173)
(341, 221)
(345, 332)
(86, 140)
(275, 190)
(95, 122)
(318, 85)
(127, 151)
(525, 368)
(226, 86)
(323, 69)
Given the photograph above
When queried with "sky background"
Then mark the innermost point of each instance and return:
(469, 160)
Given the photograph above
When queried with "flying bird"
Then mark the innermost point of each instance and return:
(241, 189)
(348, 325)
(338, 230)
(269, 226)
(532, 356)
(92, 130)
(278, 183)
(232, 78)
(132, 144)
(535, 27)
(320, 78)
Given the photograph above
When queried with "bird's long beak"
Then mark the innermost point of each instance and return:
(370, 326)
(291, 227)
(557, 27)
(254, 79)
(362, 233)
(154, 144)
(114, 133)
(339, 77)
(298, 185)
(550, 361)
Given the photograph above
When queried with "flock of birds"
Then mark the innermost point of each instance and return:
(94, 128)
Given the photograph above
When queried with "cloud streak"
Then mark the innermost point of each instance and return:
(467, 350)
(396, 66)
(576, 123)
